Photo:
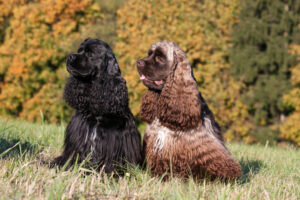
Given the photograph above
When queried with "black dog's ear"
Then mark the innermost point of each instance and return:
(112, 65)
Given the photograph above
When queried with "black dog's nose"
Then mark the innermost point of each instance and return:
(141, 63)
(71, 58)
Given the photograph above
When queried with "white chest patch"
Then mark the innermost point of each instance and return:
(162, 135)
(165, 137)
(160, 140)
(92, 138)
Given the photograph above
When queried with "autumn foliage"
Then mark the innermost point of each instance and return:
(203, 31)
(38, 35)
(291, 127)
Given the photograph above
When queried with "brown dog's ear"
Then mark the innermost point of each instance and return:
(149, 105)
(179, 104)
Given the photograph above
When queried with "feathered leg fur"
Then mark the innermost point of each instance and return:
(102, 145)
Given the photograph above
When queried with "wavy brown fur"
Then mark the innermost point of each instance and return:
(148, 108)
(194, 152)
(182, 135)
(179, 103)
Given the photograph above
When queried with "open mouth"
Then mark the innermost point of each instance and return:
(144, 78)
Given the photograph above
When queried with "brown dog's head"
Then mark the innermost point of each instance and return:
(173, 94)
(160, 62)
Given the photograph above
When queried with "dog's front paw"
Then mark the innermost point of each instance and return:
(56, 162)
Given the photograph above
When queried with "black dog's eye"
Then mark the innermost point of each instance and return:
(80, 50)
(88, 52)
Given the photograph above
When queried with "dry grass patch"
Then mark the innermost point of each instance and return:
(25, 149)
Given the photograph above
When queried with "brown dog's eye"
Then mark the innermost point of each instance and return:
(159, 59)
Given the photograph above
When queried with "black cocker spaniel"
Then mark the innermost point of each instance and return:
(102, 131)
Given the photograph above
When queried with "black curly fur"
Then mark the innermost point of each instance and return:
(103, 128)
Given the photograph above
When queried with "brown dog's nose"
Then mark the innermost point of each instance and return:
(141, 63)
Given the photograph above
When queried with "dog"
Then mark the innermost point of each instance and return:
(102, 131)
(182, 136)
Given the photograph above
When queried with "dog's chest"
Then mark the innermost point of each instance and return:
(90, 139)
(160, 139)
(159, 136)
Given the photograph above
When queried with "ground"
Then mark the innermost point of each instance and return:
(269, 172)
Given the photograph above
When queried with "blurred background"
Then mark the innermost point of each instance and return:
(244, 56)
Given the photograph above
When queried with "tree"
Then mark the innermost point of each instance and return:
(38, 35)
(290, 129)
(260, 58)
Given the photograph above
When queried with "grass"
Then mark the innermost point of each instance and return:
(268, 172)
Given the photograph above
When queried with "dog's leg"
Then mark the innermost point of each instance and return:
(74, 143)
(132, 146)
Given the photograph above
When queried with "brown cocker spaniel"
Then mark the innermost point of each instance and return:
(182, 136)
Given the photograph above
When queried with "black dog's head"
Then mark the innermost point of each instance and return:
(95, 86)
(94, 59)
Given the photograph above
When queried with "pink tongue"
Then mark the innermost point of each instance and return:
(158, 82)
(142, 77)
